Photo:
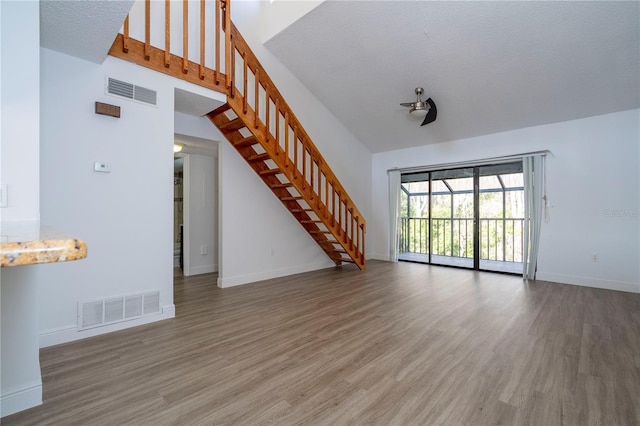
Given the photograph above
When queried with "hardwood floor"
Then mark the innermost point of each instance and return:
(397, 344)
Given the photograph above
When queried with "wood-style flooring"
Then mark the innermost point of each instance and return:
(397, 344)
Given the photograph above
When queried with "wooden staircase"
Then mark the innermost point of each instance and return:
(260, 125)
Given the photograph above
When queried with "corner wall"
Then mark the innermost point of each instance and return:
(258, 238)
(124, 216)
(593, 185)
(20, 379)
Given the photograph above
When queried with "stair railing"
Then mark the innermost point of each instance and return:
(251, 93)
(256, 97)
(204, 28)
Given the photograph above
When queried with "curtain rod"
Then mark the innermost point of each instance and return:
(481, 162)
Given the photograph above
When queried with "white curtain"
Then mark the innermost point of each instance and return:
(534, 201)
(394, 207)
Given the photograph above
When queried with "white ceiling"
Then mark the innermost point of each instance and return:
(489, 66)
(84, 29)
(193, 104)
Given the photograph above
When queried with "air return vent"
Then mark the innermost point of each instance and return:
(98, 313)
(131, 91)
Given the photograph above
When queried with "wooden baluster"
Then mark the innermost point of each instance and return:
(232, 70)
(278, 126)
(147, 29)
(326, 195)
(358, 246)
(229, 48)
(351, 228)
(217, 47)
(167, 33)
(341, 217)
(333, 209)
(202, 29)
(295, 151)
(362, 247)
(286, 138)
(125, 36)
(266, 115)
(304, 166)
(311, 180)
(245, 95)
(185, 36)
(257, 98)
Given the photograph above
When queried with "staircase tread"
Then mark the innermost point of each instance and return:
(259, 157)
(270, 172)
(251, 140)
(291, 198)
(235, 124)
(343, 259)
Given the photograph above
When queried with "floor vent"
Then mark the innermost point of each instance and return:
(131, 91)
(98, 313)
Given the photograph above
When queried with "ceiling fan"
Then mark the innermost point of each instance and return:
(419, 107)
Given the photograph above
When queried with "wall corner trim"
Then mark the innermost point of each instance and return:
(21, 399)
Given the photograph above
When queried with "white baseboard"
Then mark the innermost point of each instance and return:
(22, 399)
(224, 282)
(566, 279)
(206, 269)
(71, 333)
(378, 256)
(588, 282)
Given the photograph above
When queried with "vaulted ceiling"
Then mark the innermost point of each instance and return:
(489, 66)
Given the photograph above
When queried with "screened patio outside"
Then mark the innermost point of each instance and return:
(441, 229)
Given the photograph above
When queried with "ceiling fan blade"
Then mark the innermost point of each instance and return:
(407, 104)
(432, 114)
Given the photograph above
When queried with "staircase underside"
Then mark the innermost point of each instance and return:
(259, 124)
(249, 146)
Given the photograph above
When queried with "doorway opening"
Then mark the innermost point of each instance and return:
(178, 212)
(469, 217)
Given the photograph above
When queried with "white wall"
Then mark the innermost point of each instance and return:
(349, 159)
(253, 223)
(278, 15)
(124, 216)
(20, 380)
(21, 109)
(259, 238)
(201, 196)
(593, 182)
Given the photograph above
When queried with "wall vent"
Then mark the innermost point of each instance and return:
(98, 313)
(131, 91)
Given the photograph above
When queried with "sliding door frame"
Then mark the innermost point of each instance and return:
(476, 234)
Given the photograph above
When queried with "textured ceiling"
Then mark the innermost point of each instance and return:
(489, 66)
(84, 29)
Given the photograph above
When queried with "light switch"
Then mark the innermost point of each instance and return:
(102, 167)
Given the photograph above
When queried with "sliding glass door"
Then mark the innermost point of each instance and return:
(501, 207)
(468, 217)
(452, 218)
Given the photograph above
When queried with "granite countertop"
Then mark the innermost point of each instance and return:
(27, 243)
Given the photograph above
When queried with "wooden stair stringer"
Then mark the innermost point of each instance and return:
(331, 239)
